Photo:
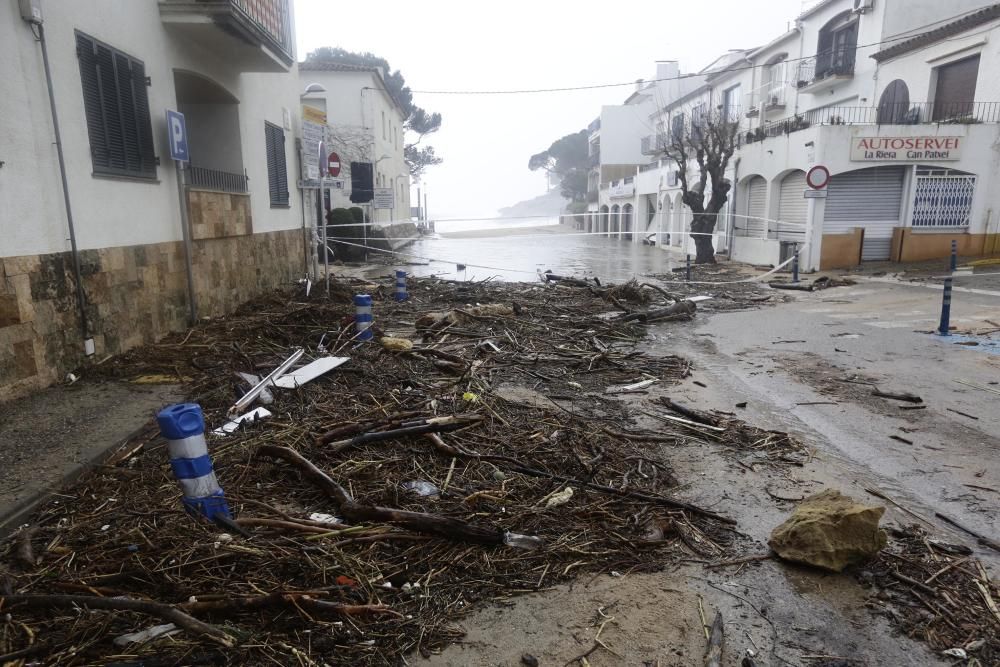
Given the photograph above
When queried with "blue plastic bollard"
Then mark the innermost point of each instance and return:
(183, 425)
(943, 328)
(363, 317)
(687, 271)
(795, 264)
(401, 294)
(954, 254)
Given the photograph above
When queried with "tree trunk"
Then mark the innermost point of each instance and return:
(704, 223)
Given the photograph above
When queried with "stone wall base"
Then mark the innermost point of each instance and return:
(135, 295)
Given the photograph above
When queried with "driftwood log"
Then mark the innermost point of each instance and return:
(417, 521)
(165, 611)
(897, 396)
(680, 310)
(690, 413)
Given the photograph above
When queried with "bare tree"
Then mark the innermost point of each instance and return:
(702, 149)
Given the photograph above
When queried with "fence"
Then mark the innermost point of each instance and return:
(216, 179)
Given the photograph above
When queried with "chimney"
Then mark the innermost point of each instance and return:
(638, 85)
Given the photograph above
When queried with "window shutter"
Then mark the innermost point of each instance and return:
(86, 52)
(147, 152)
(117, 110)
(956, 88)
(277, 171)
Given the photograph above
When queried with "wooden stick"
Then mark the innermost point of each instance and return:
(713, 654)
(985, 541)
(165, 611)
(903, 396)
(282, 598)
(434, 425)
(417, 521)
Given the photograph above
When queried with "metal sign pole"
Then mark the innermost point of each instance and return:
(186, 233)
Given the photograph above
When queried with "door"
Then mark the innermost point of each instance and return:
(793, 208)
(867, 198)
(755, 225)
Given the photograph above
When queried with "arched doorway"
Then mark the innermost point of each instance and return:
(615, 227)
(666, 208)
(626, 221)
(894, 105)
(212, 117)
(603, 220)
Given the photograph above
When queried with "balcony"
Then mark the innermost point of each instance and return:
(826, 70)
(622, 188)
(654, 144)
(925, 113)
(594, 160)
(248, 35)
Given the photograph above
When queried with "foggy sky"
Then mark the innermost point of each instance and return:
(486, 140)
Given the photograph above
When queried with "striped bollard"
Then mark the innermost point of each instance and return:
(687, 271)
(183, 425)
(363, 317)
(944, 328)
(954, 254)
(795, 264)
(401, 294)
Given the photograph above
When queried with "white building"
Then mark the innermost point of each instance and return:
(366, 125)
(116, 67)
(898, 99)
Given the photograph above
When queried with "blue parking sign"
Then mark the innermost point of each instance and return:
(177, 136)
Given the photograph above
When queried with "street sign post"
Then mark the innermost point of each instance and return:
(384, 198)
(177, 136)
(818, 177)
(180, 153)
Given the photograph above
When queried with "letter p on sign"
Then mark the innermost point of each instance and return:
(177, 136)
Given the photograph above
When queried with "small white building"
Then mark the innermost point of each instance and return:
(366, 125)
(96, 264)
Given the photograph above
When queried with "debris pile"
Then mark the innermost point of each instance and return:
(375, 502)
(728, 285)
(938, 593)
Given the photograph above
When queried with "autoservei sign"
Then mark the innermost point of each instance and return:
(904, 149)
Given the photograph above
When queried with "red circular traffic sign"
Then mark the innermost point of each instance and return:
(818, 177)
(333, 165)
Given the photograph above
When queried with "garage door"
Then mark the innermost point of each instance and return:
(755, 225)
(793, 208)
(868, 198)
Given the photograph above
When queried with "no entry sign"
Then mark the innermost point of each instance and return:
(818, 177)
(333, 165)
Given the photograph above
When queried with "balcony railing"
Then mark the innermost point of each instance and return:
(216, 179)
(937, 113)
(837, 62)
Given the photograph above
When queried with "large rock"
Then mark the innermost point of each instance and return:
(831, 531)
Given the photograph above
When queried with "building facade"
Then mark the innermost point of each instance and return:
(896, 98)
(366, 124)
(100, 266)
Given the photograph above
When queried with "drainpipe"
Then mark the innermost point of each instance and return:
(81, 302)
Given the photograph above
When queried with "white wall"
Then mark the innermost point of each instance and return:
(356, 103)
(111, 212)
(622, 129)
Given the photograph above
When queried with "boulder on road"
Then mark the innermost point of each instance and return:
(831, 531)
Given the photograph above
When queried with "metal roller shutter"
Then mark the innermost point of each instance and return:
(792, 208)
(868, 198)
(755, 224)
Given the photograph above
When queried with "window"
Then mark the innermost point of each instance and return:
(731, 104)
(677, 128)
(117, 110)
(395, 138)
(774, 82)
(383, 125)
(943, 198)
(277, 171)
(955, 92)
(837, 49)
